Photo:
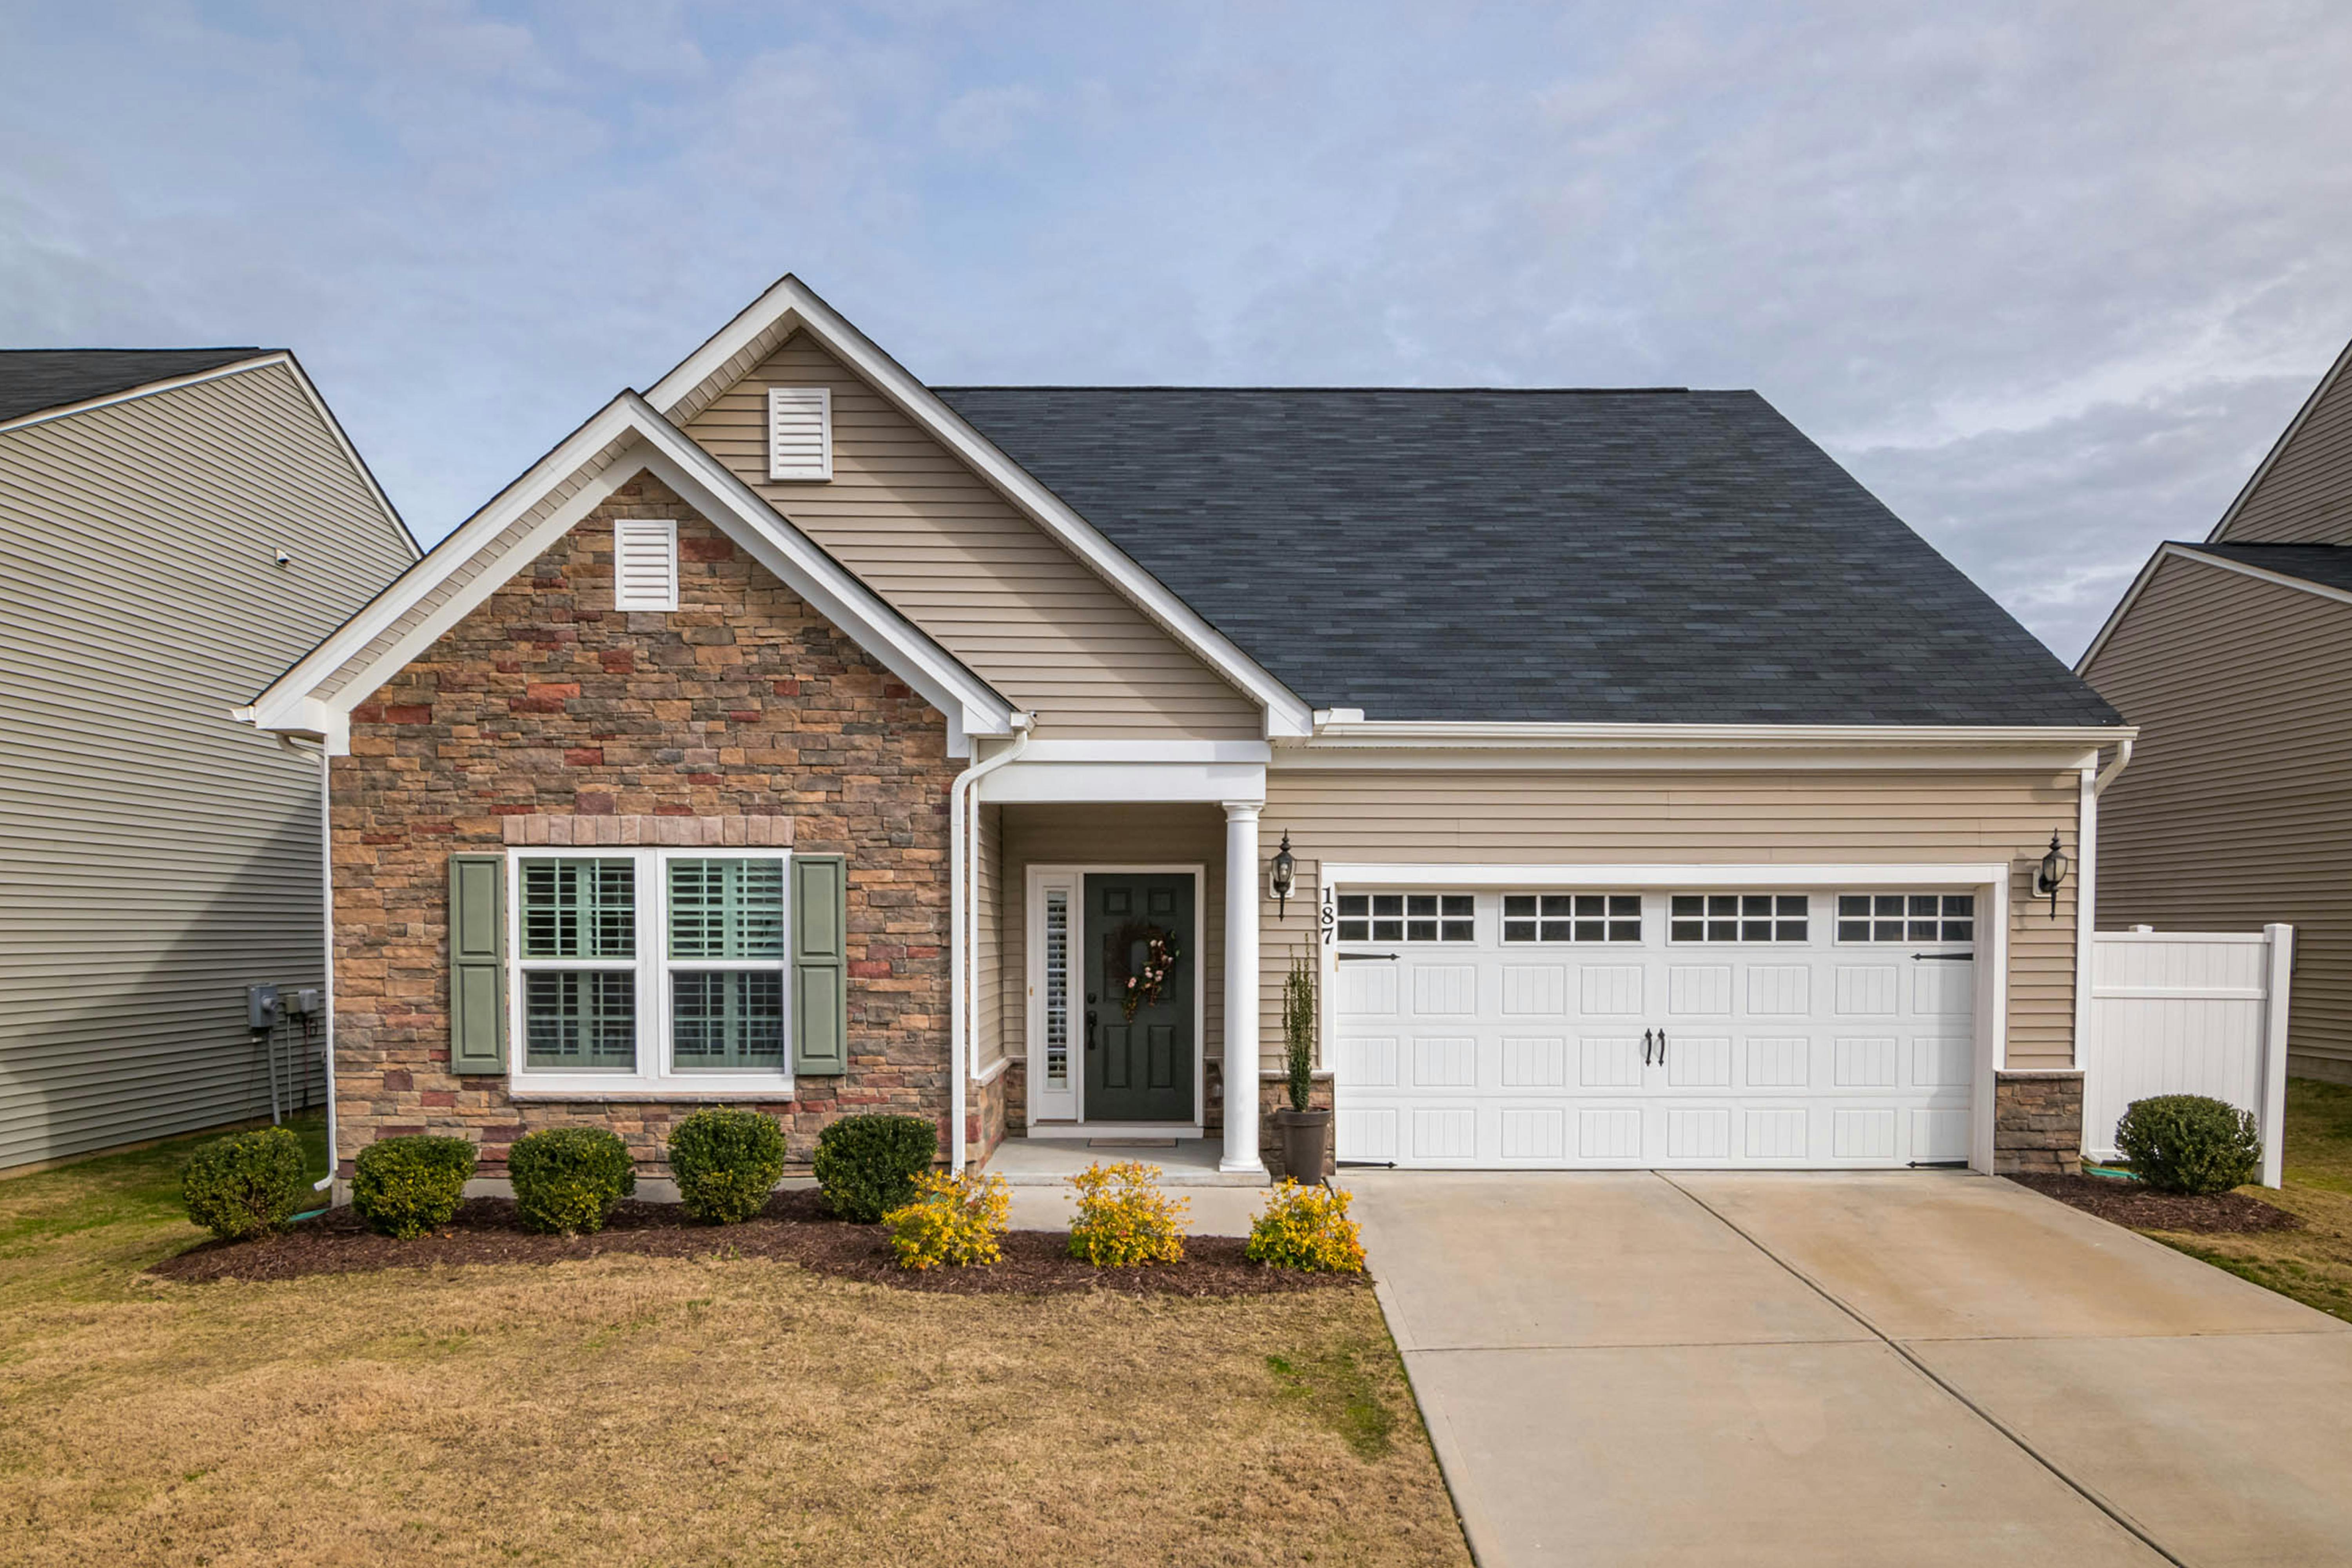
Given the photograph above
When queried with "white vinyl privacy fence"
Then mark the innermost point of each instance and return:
(2182, 1012)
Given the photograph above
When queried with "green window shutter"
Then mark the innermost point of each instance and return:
(478, 963)
(820, 966)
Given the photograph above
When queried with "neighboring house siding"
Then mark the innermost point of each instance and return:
(1499, 817)
(2232, 812)
(156, 857)
(953, 556)
(2304, 496)
(545, 700)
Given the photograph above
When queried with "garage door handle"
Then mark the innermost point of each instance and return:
(1646, 1046)
(1662, 1048)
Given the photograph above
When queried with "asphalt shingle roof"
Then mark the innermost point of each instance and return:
(1639, 557)
(35, 379)
(2329, 565)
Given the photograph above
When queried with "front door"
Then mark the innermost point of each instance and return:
(1139, 1026)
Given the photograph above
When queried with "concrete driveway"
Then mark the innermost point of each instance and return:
(1813, 1369)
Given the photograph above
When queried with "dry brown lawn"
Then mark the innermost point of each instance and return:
(630, 1410)
(2313, 1264)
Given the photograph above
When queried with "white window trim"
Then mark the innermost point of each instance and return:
(668, 534)
(656, 1075)
(823, 471)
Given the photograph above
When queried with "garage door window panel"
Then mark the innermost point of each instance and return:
(1723, 919)
(1408, 917)
(1905, 918)
(1584, 918)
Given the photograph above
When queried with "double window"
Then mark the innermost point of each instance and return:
(1572, 917)
(1407, 917)
(647, 967)
(1906, 917)
(1710, 918)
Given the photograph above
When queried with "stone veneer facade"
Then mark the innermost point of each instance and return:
(744, 703)
(2037, 1123)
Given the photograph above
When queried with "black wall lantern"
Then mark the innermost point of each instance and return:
(1286, 873)
(2051, 873)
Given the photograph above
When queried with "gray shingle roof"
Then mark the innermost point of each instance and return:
(2329, 565)
(35, 379)
(1646, 556)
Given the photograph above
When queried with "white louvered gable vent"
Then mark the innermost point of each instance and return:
(644, 565)
(800, 433)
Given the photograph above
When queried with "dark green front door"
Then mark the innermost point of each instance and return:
(1139, 1068)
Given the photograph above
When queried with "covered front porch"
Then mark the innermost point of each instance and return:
(1115, 960)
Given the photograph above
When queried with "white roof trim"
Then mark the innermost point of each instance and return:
(1345, 735)
(791, 303)
(2221, 530)
(293, 703)
(238, 367)
(2172, 549)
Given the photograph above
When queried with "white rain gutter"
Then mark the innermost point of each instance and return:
(964, 915)
(2086, 885)
(2107, 774)
(327, 989)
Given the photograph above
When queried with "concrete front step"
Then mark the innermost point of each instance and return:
(1052, 1161)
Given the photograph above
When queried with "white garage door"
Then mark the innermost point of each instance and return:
(1632, 1027)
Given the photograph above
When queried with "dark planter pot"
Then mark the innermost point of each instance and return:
(1305, 1140)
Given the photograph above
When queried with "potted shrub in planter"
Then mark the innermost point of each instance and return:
(1306, 1133)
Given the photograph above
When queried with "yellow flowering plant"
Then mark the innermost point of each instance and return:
(954, 1221)
(1306, 1227)
(1124, 1219)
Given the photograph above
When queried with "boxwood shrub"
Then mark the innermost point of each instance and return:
(866, 1166)
(245, 1183)
(407, 1187)
(726, 1163)
(2190, 1143)
(569, 1180)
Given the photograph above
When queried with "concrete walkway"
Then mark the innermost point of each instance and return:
(1818, 1369)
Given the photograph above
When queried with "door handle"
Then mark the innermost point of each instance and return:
(1090, 1031)
(1645, 1046)
(1662, 1048)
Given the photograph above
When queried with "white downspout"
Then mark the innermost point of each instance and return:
(963, 916)
(2086, 888)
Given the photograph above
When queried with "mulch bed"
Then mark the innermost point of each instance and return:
(793, 1229)
(2130, 1204)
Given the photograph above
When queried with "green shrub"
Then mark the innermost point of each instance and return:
(407, 1187)
(2188, 1143)
(726, 1163)
(866, 1166)
(569, 1180)
(245, 1183)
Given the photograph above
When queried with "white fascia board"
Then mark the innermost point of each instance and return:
(149, 389)
(792, 300)
(292, 703)
(1798, 874)
(1398, 743)
(1156, 783)
(2269, 458)
(1083, 751)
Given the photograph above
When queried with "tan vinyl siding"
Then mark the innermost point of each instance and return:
(1112, 835)
(2233, 811)
(1499, 817)
(957, 559)
(155, 857)
(988, 911)
(2304, 496)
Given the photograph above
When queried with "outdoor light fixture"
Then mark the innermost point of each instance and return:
(1286, 873)
(2051, 873)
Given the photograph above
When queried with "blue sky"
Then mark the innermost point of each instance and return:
(2048, 277)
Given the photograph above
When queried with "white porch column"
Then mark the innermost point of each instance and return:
(1241, 987)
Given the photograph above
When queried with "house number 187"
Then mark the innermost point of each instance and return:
(1330, 918)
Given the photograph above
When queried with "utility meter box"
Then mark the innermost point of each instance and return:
(305, 1001)
(263, 1010)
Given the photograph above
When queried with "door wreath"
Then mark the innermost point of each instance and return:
(1144, 983)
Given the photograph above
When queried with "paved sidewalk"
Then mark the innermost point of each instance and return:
(1822, 1369)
